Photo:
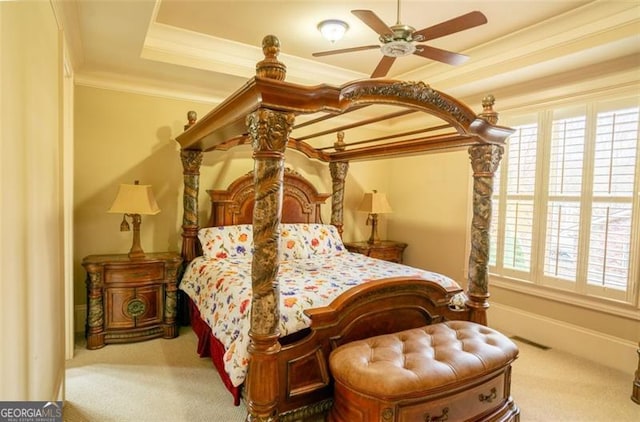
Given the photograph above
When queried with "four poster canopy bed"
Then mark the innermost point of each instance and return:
(273, 335)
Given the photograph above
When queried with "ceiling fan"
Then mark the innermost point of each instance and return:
(400, 40)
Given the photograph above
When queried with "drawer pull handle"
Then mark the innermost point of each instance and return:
(443, 417)
(136, 307)
(488, 397)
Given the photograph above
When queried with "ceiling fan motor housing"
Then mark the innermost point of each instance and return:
(397, 48)
(400, 43)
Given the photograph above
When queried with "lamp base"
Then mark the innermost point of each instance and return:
(137, 255)
(374, 238)
(136, 251)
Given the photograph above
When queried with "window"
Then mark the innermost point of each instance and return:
(566, 201)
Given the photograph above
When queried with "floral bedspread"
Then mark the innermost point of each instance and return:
(221, 289)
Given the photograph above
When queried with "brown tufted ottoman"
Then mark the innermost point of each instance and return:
(455, 370)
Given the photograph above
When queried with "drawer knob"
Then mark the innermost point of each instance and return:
(488, 397)
(135, 308)
(443, 417)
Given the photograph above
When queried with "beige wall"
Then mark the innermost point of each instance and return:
(430, 196)
(580, 316)
(31, 205)
(120, 138)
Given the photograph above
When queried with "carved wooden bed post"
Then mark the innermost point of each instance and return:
(484, 161)
(269, 131)
(191, 161)
(338, 175)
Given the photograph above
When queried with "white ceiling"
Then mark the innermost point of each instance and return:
(205, 50)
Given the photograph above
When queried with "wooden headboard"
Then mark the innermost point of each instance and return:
(300, 203)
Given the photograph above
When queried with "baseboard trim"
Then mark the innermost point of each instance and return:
(598, 347)
(79, 318)
(60, 391)
(595, 346)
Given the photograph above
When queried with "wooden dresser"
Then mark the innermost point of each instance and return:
(387, 250)
(131, 299)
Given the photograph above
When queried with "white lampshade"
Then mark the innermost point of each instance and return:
(375, 203)
(135, 199)
(333, 29)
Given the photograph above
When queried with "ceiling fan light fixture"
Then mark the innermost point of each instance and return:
(398, 48)
(333, 29)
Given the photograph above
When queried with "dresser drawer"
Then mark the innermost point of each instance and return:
(458, 407)
(134, 273)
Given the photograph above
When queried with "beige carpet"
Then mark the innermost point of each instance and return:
(156, 380)
(164, 380)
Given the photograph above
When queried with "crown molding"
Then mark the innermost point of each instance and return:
(596, 35)
(66, 14)
(169, 44)
(591, 34)
(152, 87)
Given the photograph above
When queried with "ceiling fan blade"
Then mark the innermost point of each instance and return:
(373, 21)
(383, 67)
(443, 56)
(451, 26)
(344, 50)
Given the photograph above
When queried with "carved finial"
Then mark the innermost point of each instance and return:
(339, 144)
(488, 102)
(192, 116)
(271, 67)
(488, 113)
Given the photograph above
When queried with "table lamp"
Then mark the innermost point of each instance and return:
(133, 201)
(374, 203)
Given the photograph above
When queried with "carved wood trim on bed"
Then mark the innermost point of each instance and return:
(263, 112)
(301, 202)
(373, 308)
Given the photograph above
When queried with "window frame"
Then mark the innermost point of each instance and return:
(534, 281)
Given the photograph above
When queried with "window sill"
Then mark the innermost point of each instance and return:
(609, 306)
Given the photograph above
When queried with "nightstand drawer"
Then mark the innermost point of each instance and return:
(387, 250)
(388, 254)
(134, 273)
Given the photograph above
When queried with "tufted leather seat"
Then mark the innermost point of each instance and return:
(413, 364)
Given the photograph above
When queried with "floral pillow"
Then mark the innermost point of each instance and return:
(227, 241)
(297, 241)
(292, 244)
(320, 239)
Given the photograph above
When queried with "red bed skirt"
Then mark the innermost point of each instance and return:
(209, 346)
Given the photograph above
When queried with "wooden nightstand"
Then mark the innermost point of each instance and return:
(384, 249)
(131, 299)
